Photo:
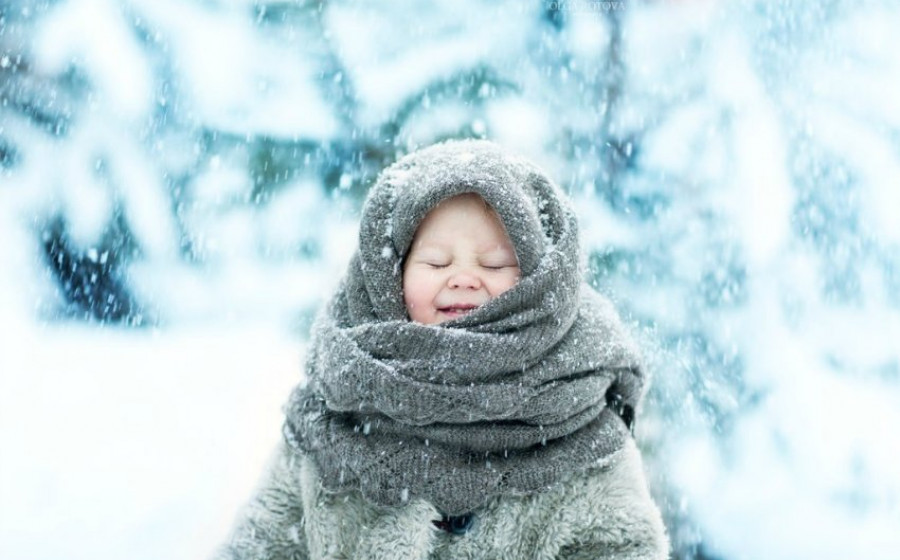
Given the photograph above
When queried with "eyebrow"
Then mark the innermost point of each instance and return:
(420, 247)
(501, 257)
(483, 250)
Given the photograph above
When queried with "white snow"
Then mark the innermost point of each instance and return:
(238, 76)
(386, 71)
(90, 34)
(134, 444)
(522, 125)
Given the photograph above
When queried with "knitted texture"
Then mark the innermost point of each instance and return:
(506, 399)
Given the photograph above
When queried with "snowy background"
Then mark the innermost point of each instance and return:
(179, 187)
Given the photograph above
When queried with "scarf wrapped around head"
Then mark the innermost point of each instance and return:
(507, 399)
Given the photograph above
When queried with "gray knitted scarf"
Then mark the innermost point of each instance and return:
(507, 399)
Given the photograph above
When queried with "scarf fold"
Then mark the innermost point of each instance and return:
(507, 399)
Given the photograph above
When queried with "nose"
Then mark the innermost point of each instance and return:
(464, 280)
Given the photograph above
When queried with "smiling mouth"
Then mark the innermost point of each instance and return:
(460, 309)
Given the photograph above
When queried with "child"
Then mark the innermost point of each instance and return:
(468, 395)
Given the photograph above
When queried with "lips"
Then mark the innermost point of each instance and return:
(457, 308)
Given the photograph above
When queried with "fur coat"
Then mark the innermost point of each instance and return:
(604, 513)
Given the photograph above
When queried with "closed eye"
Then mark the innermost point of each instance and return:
(437, 265)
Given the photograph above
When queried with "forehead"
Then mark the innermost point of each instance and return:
(467, 214)
(462, 205)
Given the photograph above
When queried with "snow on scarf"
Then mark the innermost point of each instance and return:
(507, 399)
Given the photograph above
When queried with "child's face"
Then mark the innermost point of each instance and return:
(460, 258)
